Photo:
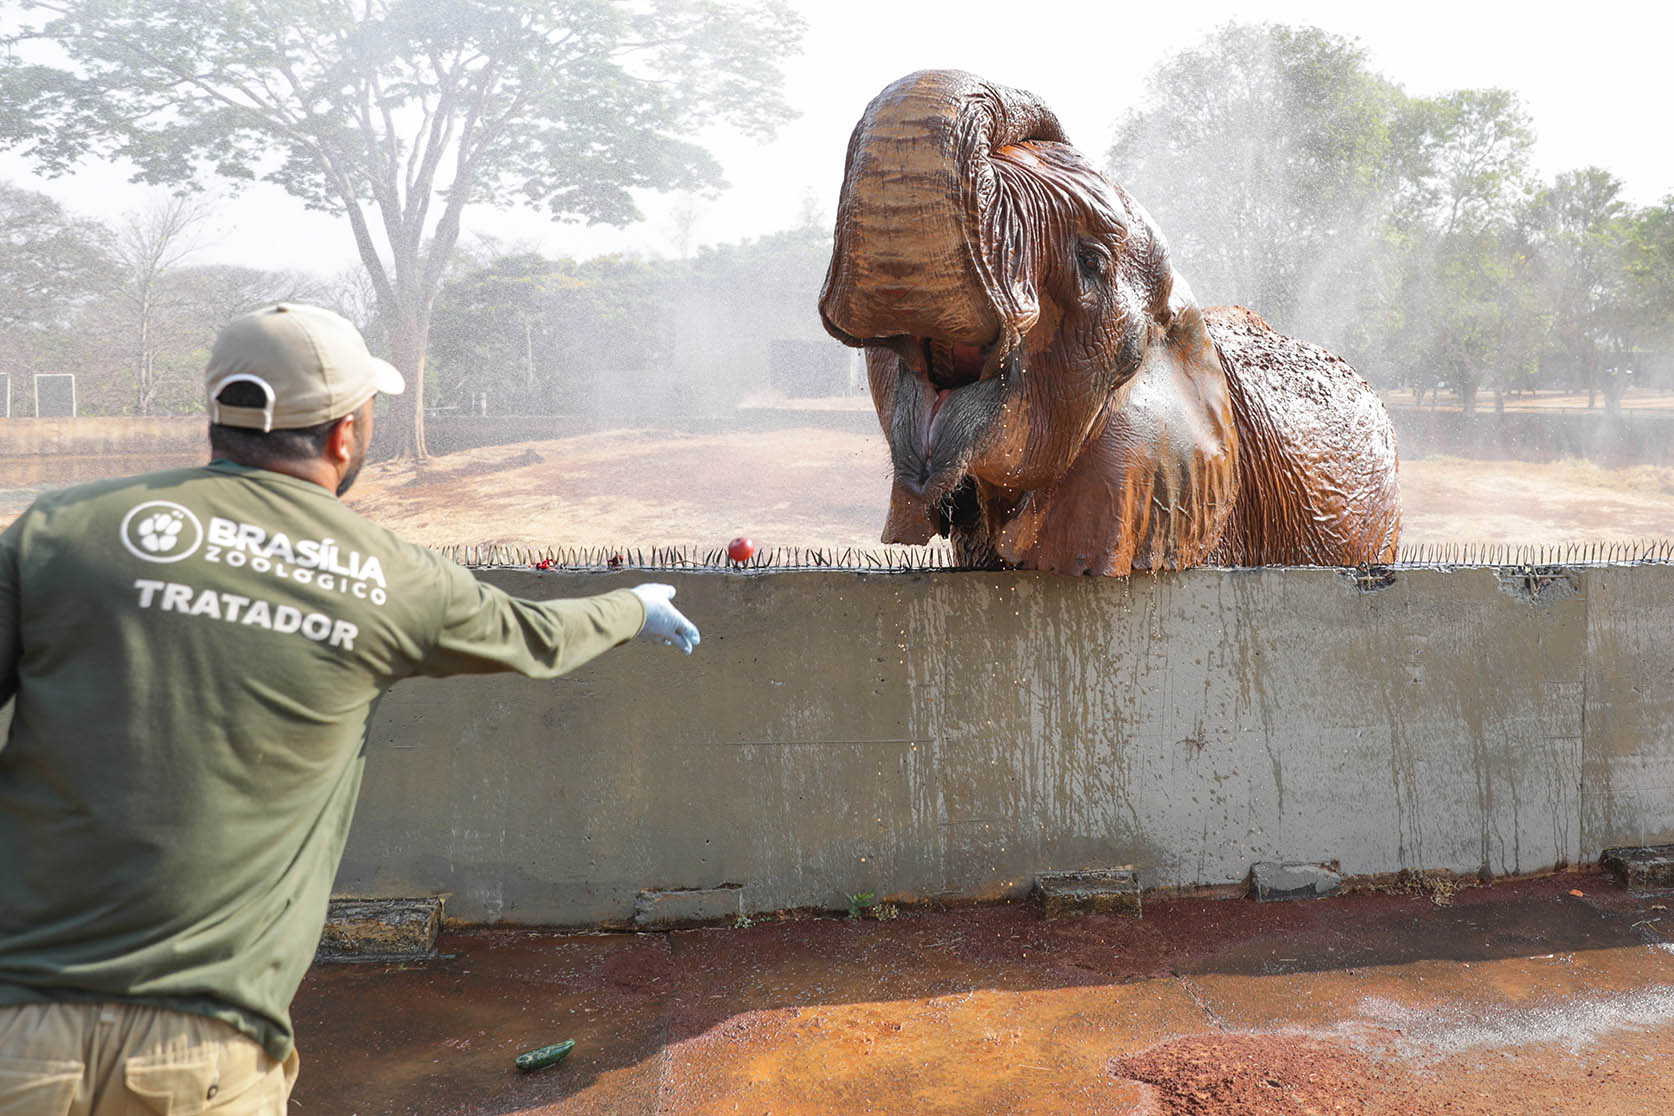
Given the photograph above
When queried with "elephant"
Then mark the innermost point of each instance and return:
(1052, 395)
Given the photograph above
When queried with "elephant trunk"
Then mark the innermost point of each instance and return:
(921, 245)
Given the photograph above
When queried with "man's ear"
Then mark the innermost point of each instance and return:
(340, 443)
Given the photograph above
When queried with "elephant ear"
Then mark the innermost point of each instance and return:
(1156, 488)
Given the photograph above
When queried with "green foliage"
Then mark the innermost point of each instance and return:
(532, 333)
(569, 104)
(119, 307)
(1478, 311)
(1261, 153)
(51, 264)
(861, 902)
(53, 268)
(399, 113)
(1582, 223)
(1468, 166)
(1407, 233)
(1648, 264)
(1467, 307)
(535, 334)
(794, 259)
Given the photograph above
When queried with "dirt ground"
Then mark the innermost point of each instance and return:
(812, 487)
(1541, 997)
(822, 487)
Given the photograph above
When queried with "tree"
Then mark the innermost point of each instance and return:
(1649, 272)
(538, 336)
(1269, 156)
(1582, 221)
(51, 262)
(51, 266)
(533, 335)
(1469, 165)
(1486, 319)
(792, 259)
(150, 244)
(399, 113)
(187, 306)
(1468, 297)
(209, 295)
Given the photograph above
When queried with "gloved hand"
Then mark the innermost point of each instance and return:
(663, 622)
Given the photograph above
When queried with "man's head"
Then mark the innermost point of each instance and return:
(290, 389)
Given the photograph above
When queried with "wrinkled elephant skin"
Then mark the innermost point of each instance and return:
(1052, 395)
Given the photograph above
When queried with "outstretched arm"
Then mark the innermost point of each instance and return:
(485, 629)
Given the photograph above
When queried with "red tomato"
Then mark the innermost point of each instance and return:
(740, 549)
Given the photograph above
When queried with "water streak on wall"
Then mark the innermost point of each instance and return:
(949, 735)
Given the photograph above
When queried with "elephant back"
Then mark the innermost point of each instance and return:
(1317, 463)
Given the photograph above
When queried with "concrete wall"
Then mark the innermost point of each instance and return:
(1631, 438)
(951, 734)
(84, 436)
(131, 437)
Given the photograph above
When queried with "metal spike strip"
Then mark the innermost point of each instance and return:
(898, 558)
(908, 559)
(1593, 552)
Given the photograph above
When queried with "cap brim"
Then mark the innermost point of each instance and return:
(386, 379)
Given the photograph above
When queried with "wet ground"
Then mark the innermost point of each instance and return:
(1520, 998)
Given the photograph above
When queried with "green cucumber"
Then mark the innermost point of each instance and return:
(544, 1056)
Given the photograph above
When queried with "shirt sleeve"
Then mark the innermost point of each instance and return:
(485, 629)
(11, 619)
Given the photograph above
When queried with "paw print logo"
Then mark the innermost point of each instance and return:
(161, 531)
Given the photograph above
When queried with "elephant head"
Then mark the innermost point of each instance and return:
(1045, 382)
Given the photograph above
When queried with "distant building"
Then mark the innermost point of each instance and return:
(731, 346)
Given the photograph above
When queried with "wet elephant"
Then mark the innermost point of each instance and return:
(1052, 395)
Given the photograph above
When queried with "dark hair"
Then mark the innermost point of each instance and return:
(238, 443)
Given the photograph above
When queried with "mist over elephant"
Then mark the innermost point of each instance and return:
(1405, 221)
(1055, 398)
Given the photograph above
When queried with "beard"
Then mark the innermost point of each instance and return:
(348, 480)
(363, 439)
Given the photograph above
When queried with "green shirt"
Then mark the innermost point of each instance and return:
(195, 656)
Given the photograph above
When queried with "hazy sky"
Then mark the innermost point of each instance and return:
(1595, 85)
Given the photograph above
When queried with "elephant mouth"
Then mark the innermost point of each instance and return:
(947, 367)
(948, 394)
(952, 364)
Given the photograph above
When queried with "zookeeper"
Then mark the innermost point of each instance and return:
(195, 656)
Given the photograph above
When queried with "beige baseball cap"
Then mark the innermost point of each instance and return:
(312, 364)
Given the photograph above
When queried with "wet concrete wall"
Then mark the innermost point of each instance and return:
(952, 734)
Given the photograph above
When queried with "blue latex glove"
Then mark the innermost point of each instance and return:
(663, 622)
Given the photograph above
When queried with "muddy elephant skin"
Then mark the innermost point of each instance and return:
(1052, 395)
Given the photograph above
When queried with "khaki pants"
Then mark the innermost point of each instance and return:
(124, 1060)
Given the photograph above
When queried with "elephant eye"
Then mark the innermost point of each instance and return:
(1092, 260)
